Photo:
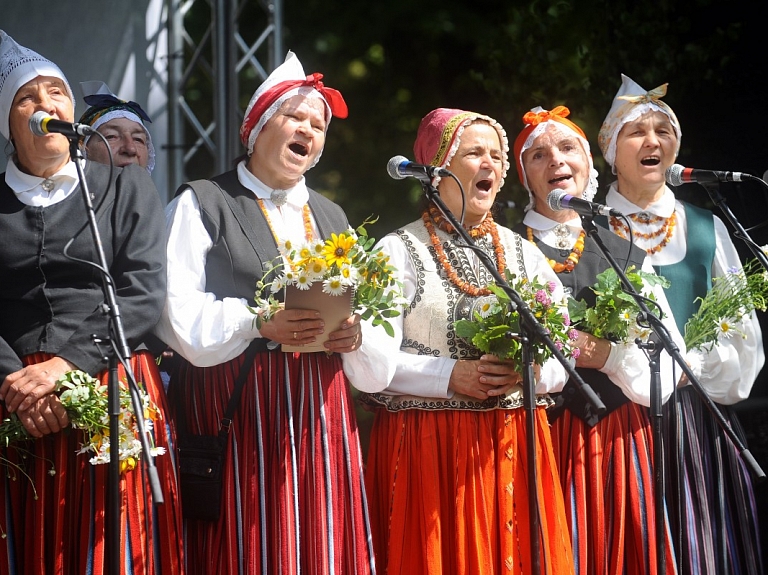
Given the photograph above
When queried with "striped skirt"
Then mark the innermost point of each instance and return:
(449, 494)
(293, 499)
(52, 512)
(717, 529)
(607, 478)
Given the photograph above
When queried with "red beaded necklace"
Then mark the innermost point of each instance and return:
(454, 278)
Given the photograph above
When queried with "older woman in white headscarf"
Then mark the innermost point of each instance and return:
(52, 508)
(293, 498)
(605, 462)
(712, 502)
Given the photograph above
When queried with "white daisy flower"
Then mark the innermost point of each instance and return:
(334, 286)
(725, 328)
(303, 281)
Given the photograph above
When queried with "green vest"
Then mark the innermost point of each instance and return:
(691, 278)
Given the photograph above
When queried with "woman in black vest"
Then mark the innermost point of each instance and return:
(52, 508)
(605, 462)
(714, 512)
(293, 497)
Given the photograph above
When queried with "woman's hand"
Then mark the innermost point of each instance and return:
(22, 389)
(293, 326)
(46, 415)
(347, 338)
(483, 378)
(594, 350)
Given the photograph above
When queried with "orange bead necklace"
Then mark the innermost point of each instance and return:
(573, 258)
(667, 228)
(308, 235)
(454, 278)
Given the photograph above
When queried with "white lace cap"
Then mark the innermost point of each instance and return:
(19, 65)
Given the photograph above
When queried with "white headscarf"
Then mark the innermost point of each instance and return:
(631, 102)
(19, 65)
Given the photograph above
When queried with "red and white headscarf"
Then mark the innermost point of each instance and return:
(536, 123)
(631, 102)
(286, 81)
(439, 136)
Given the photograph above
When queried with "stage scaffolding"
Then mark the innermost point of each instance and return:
(219, 51)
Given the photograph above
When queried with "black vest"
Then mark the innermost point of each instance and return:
(578, 283)
(242, 239)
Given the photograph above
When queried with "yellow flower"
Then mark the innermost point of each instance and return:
(127, 464)
(336, 250)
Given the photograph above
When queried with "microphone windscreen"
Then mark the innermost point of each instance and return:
(554, 200)
(392, 166)
(674, 175)
(36, 123)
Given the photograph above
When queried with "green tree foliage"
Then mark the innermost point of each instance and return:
(396, 60)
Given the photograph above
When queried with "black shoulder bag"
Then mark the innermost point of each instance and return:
(202, 457)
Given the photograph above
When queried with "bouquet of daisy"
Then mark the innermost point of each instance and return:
(343, 262)
(85, 399)
(494, 325)
(727, 305)
(614, 315)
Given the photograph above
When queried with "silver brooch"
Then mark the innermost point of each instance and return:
(279, 197)
(563, 235)
(48, 185)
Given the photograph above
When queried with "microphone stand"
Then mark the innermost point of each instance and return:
(118, 350)
(663, 337)
(530, 330)
(713, 189)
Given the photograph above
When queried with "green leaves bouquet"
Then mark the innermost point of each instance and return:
(614, 315)
(490, 329)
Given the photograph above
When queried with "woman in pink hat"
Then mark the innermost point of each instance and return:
(606, 461)
(447, 464)
(709, 489)
(53, 507)
(293, 499)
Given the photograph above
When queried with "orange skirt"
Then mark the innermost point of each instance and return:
(448, 494)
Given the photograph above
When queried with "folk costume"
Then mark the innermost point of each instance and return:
(446, 472)
(709, 490)
(293, 499)
(605, 463)
(52, 511)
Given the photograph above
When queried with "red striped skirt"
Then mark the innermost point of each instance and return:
(607, 478)
(52, 511)
(293, 499)
(449, 494)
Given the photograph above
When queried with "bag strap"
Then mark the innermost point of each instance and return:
(237, 391)
(234, 400)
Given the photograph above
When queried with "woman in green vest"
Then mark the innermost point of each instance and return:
(712, 504)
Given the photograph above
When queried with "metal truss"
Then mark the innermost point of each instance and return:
(219, 52)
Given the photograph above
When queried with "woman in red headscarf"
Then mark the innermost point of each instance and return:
(606, 461)
(447, 471)
(293, 496)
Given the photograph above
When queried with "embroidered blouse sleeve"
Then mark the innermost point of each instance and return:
(203, 329)
(379, 365)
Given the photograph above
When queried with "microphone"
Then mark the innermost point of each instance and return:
(558, 200)
(41, 124)
(677, 175)
(400, 167)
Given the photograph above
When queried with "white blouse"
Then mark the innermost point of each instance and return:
(206, 330)
(627, 365)
(380, 366)
(728, 371)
